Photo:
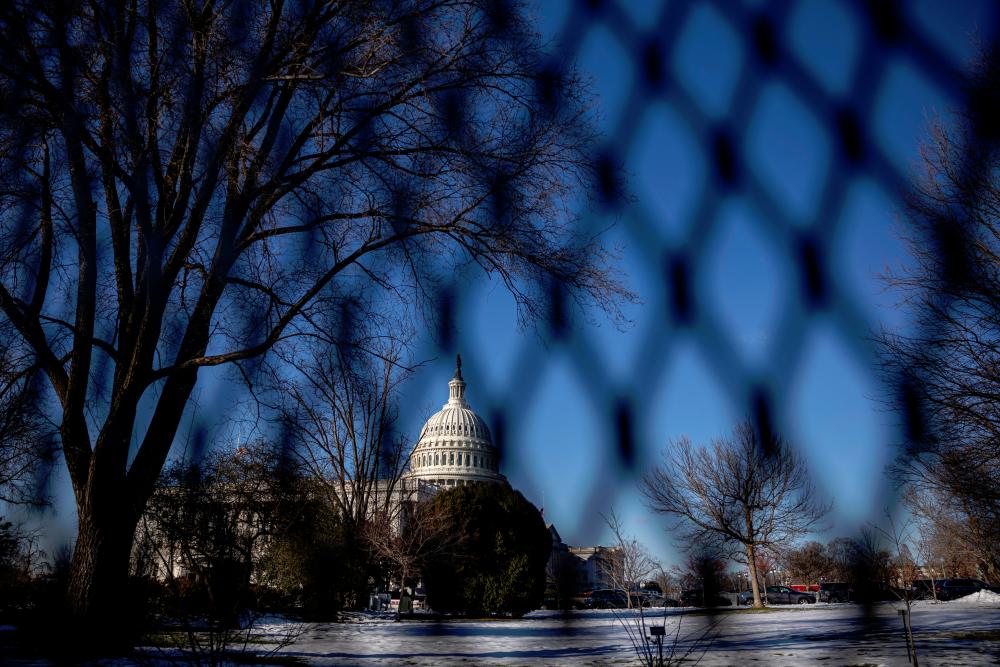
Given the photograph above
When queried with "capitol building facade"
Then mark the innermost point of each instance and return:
(455, 447)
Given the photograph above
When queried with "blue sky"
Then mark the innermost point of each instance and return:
(753, 324)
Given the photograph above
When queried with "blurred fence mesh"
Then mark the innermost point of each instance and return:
(778, 112)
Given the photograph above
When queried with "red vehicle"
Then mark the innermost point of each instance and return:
(805, 588)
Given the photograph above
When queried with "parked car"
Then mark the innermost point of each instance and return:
(653, 599)
(950, 589)
(834, 591)
(650, 598)
(606, 598)
(772, 596)
(872, 592)
(695, 597)
(786, 595)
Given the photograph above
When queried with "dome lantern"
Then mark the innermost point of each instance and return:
(456, 388)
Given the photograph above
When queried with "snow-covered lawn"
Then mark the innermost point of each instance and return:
(965, 632)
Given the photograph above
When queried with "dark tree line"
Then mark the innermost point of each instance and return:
(186, 185)
(863, 560)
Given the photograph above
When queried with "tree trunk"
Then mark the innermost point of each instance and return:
(100, 607)
(752, 566)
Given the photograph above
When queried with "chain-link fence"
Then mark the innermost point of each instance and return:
(768, 148)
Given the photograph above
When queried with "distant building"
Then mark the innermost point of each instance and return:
(594, 564)
(590, 565)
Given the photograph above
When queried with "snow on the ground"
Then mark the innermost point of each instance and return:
(982, 598)
(813, 635)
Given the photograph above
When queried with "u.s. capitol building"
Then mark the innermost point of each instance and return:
(455, 447)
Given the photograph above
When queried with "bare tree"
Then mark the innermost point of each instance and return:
(739, 492)
(628, 564)
(947, 364)
(807, 563)
(873, 569)
(703, 574)
(669, 583)
(205, 535)
(26, 443)
(22, 562)
(903, 568)
(406, 541)
(339, 416)
(948, 545)
(210, 521)
(841, 554)
(185, 185)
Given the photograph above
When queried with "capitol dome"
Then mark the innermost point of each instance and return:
(455, 447)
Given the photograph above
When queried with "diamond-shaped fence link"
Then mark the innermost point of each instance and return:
(772, 120)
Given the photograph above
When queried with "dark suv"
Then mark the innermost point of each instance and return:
(696, 597)
(778, 595)
(606, 598)
(786, 595)
(950, 589)
(831, 591)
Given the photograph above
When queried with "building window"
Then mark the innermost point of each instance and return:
(475, 461)
(435, 459)
(451, 458)
(466, 459)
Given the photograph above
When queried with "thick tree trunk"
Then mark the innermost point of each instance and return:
(752, 566)
(110, 498)
(99, 603)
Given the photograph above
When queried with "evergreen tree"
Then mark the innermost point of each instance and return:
(496, 562)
